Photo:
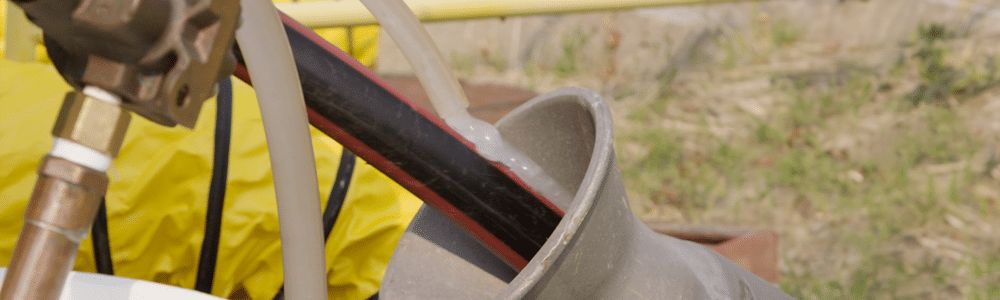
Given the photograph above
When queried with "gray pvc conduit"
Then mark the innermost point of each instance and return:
(279, 95)
(448, 98)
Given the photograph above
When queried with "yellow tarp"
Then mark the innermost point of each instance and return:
(159, 182)
(364, 39)
(40, 54)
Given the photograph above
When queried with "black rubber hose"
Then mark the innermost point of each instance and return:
(337, 195)
(217, 189)
(102, 245)
(416, 149)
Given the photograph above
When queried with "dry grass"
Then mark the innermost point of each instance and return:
(876, 193)
(876, 161)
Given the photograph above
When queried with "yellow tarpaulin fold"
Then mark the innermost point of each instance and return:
(157, 196)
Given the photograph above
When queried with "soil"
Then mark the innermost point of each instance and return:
(718, 63)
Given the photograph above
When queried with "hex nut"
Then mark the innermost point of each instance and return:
(92, 122)
(93, 181)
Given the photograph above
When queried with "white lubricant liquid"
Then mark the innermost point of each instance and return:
(449, 100)
(492, 146)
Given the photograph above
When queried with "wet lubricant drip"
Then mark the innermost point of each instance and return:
(491, 145)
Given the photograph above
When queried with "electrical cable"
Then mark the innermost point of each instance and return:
(217, 189)
(339, 192)
(101, 242)
(415, 148)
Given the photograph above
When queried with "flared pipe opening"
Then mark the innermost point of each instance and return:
(569, 132)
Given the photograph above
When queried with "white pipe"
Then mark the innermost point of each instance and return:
(402, 25)
(448, 98)
(279, 94)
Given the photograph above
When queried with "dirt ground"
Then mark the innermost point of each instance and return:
(864, 132)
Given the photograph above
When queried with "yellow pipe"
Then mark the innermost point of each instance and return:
(323, 14)
(20, 35)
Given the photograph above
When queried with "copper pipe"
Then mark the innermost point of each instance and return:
(65, 200)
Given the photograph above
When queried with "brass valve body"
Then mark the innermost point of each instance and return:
(163, 57)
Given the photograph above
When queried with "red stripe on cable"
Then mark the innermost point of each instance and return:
(242, 73)
(343, 56)
(417, 188)
(404, 179)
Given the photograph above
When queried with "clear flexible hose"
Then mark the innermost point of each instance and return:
(448, 98)
(279, 94)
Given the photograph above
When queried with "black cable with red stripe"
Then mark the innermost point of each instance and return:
(351, 104)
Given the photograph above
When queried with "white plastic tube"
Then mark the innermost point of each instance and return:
(402, 25)
(448, 98)
(279, 95)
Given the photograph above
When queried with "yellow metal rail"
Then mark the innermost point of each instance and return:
(21, 35)
(323, 14)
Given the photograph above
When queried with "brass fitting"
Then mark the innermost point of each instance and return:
(41, 262)
(68, 195)
(65, 200)
(59, 215)
(94, 123)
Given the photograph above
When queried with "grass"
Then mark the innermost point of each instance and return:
(941, 80)
(783, 33)
(572, 44)
(876, 178)
(463, 64)
(880, 218)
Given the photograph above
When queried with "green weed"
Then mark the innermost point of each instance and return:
(873, 206)
(463, 63)
(985, 275)
(649, 112)
(783, 33)
(939, 80)
(572, 43)
(731, 47)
